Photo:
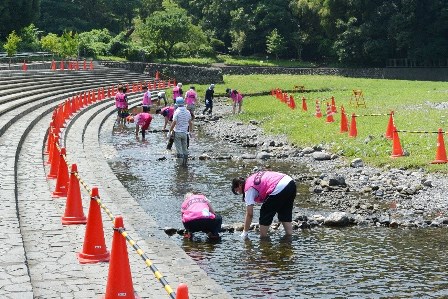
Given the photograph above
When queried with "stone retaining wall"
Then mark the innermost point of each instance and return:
(205, 75)
(422, 74)
(182, 73)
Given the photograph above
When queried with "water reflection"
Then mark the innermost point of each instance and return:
(318, 263)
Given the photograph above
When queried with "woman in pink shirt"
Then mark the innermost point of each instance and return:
(198, 215)
(275, 192)
(142, 120)
(237, 99)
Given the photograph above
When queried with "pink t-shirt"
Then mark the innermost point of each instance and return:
(120, 101)
(236, 97)
(195, 207)
(146, 101)
(143, 119)
(190, 97)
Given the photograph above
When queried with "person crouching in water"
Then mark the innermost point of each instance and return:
(198, 215)
(143, 120)
(275, 192)
(181, 126)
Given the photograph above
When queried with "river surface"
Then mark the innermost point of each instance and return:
(354, 262)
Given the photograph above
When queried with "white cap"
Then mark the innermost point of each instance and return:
(179, 84)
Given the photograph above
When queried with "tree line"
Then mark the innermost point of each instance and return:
(356, 32)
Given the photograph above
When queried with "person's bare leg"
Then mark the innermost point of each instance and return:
(288, 227)
(264, 231)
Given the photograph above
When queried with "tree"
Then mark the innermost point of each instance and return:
(69, 44)
(275, 43)
(11, 45)
(51, 43)
(164, 29)
(30, 38)
(238, 41)
(16, 14)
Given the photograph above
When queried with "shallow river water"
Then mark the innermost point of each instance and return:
(354, 262)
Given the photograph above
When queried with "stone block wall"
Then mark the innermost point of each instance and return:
(182, 73)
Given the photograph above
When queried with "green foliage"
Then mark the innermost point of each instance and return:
(51, 43)
(238, 41)
(12, 43)
(95, 42)
(16, 14)
(30, 38)
(275, 43)
(69, 43)
(164, 29)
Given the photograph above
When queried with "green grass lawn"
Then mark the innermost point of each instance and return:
(418, 106)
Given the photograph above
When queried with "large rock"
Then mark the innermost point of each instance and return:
(337, 219)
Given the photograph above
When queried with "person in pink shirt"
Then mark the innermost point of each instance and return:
(167, 113)
(190, 99)
(146, 100)
(177, 92)
(121, 103)
(237, 99)
(275, 192)
(198, 215)
(143, 120)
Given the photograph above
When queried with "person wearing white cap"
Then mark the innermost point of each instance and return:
(209, 99)
(181, 127)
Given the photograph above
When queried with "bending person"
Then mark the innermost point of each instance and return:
(198, 215)
(275, 192)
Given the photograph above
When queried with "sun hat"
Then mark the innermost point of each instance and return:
(180, 101)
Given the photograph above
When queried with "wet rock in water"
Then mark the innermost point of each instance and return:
(337, 219)
(170, 231)
(248, 156)
(204, 157)
(263, 156)
(161, 158)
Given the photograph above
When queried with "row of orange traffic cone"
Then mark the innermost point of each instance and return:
(94, 248)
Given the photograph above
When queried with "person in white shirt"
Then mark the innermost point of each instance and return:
(181, 127)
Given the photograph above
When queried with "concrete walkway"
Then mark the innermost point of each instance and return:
(38, 254)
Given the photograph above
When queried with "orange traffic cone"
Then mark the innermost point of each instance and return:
(62, 180)
(390, 127)
(84, 65)
(119, 279)
(24, 66)
(91, 65)
(318, 112)
(333, 106)
(61, 65)
(304, 107)
(53, 65)
(74, 213)
(157, 75)
(182, 291)
(353, 130)
(397, 151)
(344, 122)
(330, 118)
(441, 152)
(54, 164)
(94, 248)
(291, 103)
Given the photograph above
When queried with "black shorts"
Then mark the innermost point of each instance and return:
(205, 225)
(280, 204)
(123, 112)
